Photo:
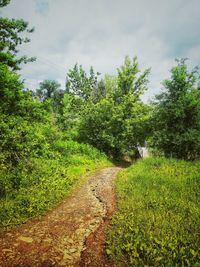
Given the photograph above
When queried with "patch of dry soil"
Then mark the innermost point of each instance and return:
(73, 234)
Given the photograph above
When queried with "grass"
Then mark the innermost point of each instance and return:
(158, 221)
(39, 183)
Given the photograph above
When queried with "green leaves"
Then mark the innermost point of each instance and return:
(118, 121)
(45, 175)
(50, 92)
(128, 80)
(37, 165)
(114, 128)
(48, 89)
(158, 213)
(80, 84)
(4, 3)
(176, 117)
(10, 39)
(10, 90)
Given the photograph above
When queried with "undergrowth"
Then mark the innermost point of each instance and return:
(157, 223)
(39, 183)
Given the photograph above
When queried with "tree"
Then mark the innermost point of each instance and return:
(176, 117)
(48, 89)
(22, 119)
(11, 35)
(111, 85)
(71, 112)
(12, 95)
(118, 122)
(99, 91)
(130, 80)
(111, 128)
(10, 90)
(80, 84)
(4, 3)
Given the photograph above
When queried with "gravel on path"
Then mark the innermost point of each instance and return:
(72, 234)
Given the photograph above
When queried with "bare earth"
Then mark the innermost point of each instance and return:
(73, 234)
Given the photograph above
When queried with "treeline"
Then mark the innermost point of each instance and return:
(44, 128)
(108, 113)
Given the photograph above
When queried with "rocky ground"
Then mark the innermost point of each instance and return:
(73, 234)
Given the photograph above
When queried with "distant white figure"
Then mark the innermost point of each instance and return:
(140, 150)
(143, 151)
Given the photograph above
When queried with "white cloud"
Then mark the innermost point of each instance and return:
(101, 33)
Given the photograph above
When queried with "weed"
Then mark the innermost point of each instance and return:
(158, 219)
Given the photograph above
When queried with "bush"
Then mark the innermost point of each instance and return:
(115, 128)
(71, 147)
(38, 183)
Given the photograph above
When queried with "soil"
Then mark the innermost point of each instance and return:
(72, 234)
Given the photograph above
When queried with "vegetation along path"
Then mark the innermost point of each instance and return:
(60, 237)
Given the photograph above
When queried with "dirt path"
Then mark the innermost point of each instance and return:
(73, 234)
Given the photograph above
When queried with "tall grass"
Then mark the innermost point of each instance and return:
(158, 221)
(39, 183)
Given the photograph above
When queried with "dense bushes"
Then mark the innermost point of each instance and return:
(158, 219)
(21, 139)
(39, 183)
(116, 129)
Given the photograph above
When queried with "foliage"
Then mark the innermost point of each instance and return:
(70, 113)
(115, 129)
(48, 89)
(38, 167)
(111, 85)
(26, 128)
(176, 116)
(38, 164)
(4, 3)
(10, 90)
(21, 139)
(51, 92)
(79, 83)
(38, 183)
(99, 91)
(157, 223)
(98, 126)
(129, 80)
(14, 100)
(11, 35)
(23, 121)
(118, 122)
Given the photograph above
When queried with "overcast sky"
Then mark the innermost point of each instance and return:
(101, 32)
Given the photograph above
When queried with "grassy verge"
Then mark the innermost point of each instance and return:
(39, 183)
(158, 222)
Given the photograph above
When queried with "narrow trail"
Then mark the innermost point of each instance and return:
(72, 234)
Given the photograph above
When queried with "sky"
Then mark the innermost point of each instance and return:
(100, 33)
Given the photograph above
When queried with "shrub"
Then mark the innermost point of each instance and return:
(38, 183)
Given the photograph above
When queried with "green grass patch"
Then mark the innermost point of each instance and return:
(158, 221)
(39, 183)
